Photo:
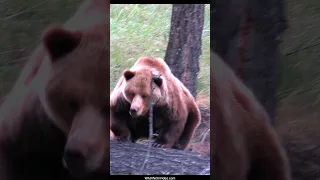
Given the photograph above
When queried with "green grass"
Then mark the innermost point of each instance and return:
(136, 30)
(21, 25)
(142, 30)
(299, 74)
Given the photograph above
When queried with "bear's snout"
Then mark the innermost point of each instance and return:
(86, 147)
(133, 112)
(75, 162)
(81, 158)
(136, 108)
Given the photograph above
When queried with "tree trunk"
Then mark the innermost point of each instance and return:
(247, 36)
(225, 17)
(184, 46)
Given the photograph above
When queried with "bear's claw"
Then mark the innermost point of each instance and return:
(121, 139)
(177, 146)
(158, 145)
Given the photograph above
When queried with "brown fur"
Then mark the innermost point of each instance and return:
(201, 138)
(245, 146)
(58, 109)
(176, 115)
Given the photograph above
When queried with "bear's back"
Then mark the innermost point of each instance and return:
(157, 64)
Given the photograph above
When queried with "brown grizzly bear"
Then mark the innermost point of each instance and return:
(245, 146)
(176, 115)
(54, 123)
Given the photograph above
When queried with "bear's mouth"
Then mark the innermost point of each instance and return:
(133, 114)
(75, 163)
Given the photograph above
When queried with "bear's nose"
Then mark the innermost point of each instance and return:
(75, 162)
(133, 112)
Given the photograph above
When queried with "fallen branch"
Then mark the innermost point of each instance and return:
(127, 158)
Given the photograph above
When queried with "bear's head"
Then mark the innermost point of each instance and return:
(73, 90)
(137, 90)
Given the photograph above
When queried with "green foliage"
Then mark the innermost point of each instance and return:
(299, 72)
(136, 30)
(21, 26)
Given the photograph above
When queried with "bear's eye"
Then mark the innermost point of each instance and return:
(144, 96)
(131, 94)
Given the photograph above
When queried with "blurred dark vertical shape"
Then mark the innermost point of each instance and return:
(246, 34)
(184, 46)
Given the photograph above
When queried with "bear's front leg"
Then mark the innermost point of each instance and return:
(169, 134)
(192, 123)
(120, 129)
(121, 132)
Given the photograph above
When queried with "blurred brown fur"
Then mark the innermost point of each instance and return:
(58, 109)
(245, 146)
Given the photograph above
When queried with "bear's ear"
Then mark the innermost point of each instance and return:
(128, 74)
(59, 42)
(158, 80)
